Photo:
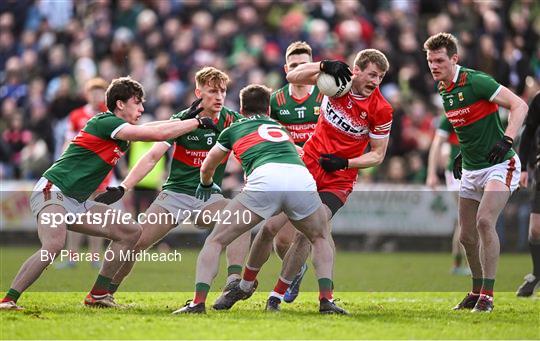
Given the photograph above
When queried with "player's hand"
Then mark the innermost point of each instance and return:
(340, 70)
(203, 192)
(207, 123)
(457, 168)
(499, 150)
(432, 181)
(332, 163)
(524, 179)
(193, 110)
(113, 194)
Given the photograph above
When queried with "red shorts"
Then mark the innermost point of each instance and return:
(339, 183)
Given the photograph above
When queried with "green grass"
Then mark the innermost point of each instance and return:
(389, 296)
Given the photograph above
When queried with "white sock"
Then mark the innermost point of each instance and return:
(276, 295)
(246, 285)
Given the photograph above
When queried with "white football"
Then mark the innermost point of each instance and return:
(327, 86)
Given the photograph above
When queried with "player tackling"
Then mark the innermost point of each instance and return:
(277, 180)
(333, 155)
(66, 186)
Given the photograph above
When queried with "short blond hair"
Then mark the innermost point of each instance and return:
(298, 47)
(95, 83)
(364, 57)
(440, 40)
(209, 75)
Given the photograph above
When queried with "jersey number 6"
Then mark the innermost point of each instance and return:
(272, 133)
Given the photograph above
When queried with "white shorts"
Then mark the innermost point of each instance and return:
(276, 187)
(182, 205)
(452, 184)
(45, 193)
(473, 182)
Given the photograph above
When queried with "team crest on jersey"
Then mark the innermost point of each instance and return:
(363, 115)
(316, 111)
(460, 96)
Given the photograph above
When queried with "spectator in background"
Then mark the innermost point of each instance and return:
(15, 138)
(161, 42)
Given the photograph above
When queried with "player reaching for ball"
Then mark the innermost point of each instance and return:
(333, 155)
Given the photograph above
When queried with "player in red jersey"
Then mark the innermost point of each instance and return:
(333, 154)
(94, 92)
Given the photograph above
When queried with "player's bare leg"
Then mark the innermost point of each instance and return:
(532, 280)
(460, 266)
(208, 260)
(316, 228)
(95, 246)
(52, 242)
(262, 244)
(123, 239)
(73, 245)
(284, 239)
(467, 212)
(236, 251)
(494, 199)
(151, 233)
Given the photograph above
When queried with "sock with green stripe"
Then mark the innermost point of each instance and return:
(201, 291)
(113, 287)
(457, 260)
(476, 285)
(101, 287)
(326, 289)
(234, 272)
(487, 286)
(11, 295)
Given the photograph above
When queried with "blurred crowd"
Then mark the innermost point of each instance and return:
(49, 49)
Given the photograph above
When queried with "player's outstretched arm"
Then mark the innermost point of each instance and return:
(214, 157)
(158, 132)
(517, 107)
(433, 159)
(143, 167)
(374, 157)
(145, 164)
(304, 74)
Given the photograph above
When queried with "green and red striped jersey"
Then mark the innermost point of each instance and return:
(257, 140)
(89, 157)
(475, 118)
(298, 115)
(446, 129)
(189, 152)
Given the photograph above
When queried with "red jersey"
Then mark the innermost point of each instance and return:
(345, 126)
(76, 121)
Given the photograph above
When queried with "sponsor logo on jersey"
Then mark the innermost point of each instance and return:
(192, 138)
(284, 112)
(342, 122)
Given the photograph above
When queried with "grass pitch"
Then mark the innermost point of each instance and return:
(389, 296)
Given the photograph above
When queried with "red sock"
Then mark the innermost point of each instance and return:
(250, 274)
(486, 292)
(7, 299)
(281, 286)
